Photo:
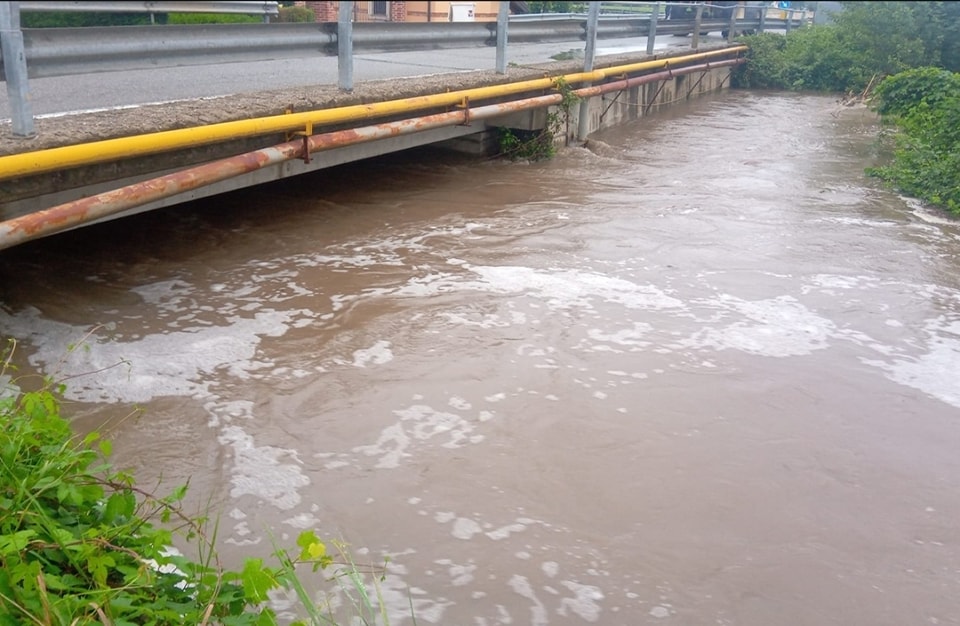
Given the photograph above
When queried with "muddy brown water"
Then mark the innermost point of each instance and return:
(703, 372)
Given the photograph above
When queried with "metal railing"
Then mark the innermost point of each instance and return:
(48, 52)
(267, 9)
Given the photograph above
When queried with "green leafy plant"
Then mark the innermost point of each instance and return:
(866, 40)
(296, 14)
(924, 107)
(538, 145)
(212, 18)
(899, 94)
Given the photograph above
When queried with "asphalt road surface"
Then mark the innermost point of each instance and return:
(65, 95)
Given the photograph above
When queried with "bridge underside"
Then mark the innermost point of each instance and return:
(29, 197)
(46, 192)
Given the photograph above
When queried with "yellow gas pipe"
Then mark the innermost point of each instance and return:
(53, 159)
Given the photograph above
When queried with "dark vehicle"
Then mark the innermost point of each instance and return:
(713, 10)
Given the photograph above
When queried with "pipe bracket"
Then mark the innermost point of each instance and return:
(305, 134)
(465, 105)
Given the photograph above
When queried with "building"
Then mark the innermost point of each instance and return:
(385, 11)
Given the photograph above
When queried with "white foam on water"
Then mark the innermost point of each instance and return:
(561, 288)
(931, 216)
(859, 222)
(176, 363)
(837, 281)
(303, 521)
(8, 389)
(418, 423)
(486, 321)
(584, 601)
(401, 600)
(377, 354)
(465, 528)
(632, 337)
(933, 372)
(169, 364)
(505, 531)
(459, 403)
(550, 568)
(776, 327)
(538, 612)
(260, 471)
(460, 575)
(574, 288)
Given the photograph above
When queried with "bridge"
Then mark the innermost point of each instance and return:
(151, 157)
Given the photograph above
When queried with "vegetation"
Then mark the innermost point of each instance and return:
(81, 543)
(908, 53)
(69, 19)
(924, 104)
(557, 7)
(212, 18)
(866, 40)
(296, 14)
(538, 145)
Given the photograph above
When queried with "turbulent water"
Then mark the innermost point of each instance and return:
(702, 371)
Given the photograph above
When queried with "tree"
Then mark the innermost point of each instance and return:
(557, 7)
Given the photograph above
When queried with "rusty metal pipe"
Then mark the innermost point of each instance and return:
(53, 159)
(71, 214)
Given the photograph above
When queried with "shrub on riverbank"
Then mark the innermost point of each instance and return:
(80, 543)
(868, 40)
(924, 105)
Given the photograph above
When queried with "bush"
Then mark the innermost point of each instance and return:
(212, 18)
(765, 62)
(868, 40)
(296, 14)
(818, 59)
(924, 104)
(897, 95)
(68, 19)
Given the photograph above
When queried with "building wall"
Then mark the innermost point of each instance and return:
(401, 11)
(440, 11)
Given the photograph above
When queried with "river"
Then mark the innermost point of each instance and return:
(702, 371)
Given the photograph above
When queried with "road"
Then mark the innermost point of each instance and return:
(65, 95)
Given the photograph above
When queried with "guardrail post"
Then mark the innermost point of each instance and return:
(788, 13)
(593, 17)
(695, 37)
(15, 70)
(345, 46)
(732, 24)
(503, 19)
(652, 33)
(763, 18)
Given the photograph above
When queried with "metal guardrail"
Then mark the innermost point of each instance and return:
(50, 52)
(54, 52)
(237, 7)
